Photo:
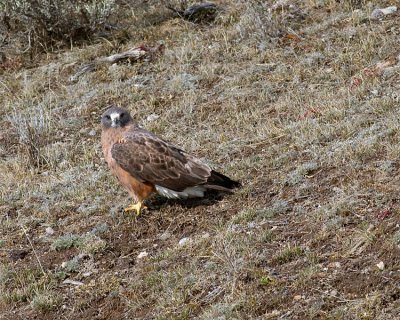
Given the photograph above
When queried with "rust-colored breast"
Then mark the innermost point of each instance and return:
(137, 189)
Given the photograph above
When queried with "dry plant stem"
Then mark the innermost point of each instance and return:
(34, 251)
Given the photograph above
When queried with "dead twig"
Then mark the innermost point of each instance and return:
(34, 251)
(362, 243)
(133, 55)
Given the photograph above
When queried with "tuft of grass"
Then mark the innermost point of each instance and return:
(306, 274)
(34, 133)
(252, 214)
(265, 280)
(60, 275)
(71, 265)
(92, 244)
(278, 207)
(67, 241)
(88, 243)
(23, 285)
(298, 175)
(267, 236)
(45, 301)
(245, 216)
(288, 254)
(50, 21)
(5, 273)
(100, 228)
(223, 310)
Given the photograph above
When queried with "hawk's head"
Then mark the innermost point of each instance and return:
(115, 117)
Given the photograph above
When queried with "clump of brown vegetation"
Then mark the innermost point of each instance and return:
(40, 24)
(296, 99)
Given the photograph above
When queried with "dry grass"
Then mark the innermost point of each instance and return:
(293, 101)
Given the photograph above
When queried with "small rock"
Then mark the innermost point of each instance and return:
(380, 13)
(236, 228)
(205, 235)
(82, 256)
(152, 117)
(87, 274)
(184, 241)
(92, 132)
(185, 81)
(282, 4)
(381, 265)
(334, 293)
(251, 225)
(336, 265)
(49, 231)
(272, 314)
(266, 67)
(165, 236)
(142, 255)
(297, 297)
(350, 32)
(312, 58)
(114, 66)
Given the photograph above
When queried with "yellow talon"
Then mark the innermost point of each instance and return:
(137, 207)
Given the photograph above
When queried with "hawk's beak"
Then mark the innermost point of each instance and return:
(115, 121)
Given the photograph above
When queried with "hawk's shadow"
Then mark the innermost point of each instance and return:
(210, 197)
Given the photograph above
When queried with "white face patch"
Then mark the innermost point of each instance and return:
(114, 116)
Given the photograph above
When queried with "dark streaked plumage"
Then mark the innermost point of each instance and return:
(145, 163)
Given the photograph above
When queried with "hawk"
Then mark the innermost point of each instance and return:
(146, 164)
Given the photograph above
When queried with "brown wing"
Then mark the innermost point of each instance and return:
(151, 159)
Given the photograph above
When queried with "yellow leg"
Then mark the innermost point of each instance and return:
(137, 207)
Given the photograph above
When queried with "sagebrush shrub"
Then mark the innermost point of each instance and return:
(44, 21)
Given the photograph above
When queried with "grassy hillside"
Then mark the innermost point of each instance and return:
(299, 101)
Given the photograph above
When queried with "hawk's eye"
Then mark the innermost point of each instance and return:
(108, 117)
(123, 115)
